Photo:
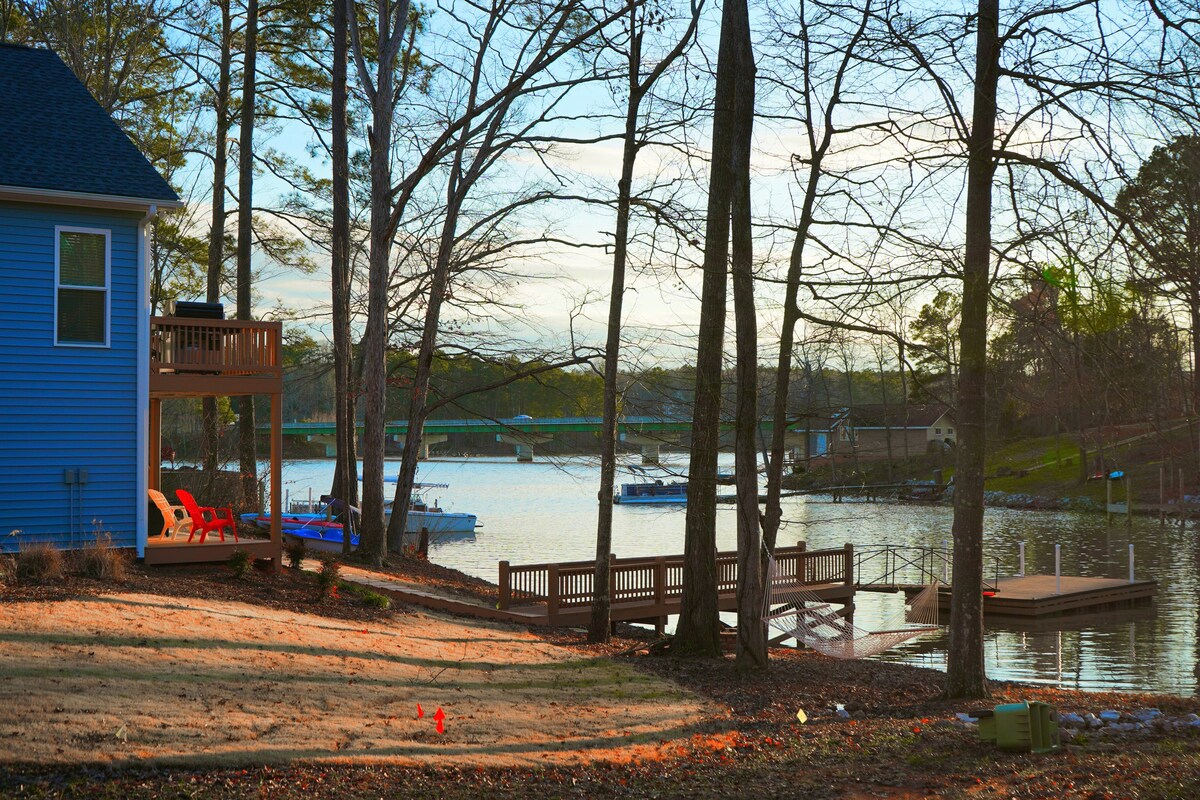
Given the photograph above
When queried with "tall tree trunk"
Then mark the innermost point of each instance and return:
(601, 624)
(851, 432)
(751, 631)
(965, 674)
(697, 632)
(887, 422)
(345, 472)
(247, 457)
(1194, 316)
(419, 403)
(772, 510)
(903, 393)
(210, 433)
(373, 541)
(458, 184)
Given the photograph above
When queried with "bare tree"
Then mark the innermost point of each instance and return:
(815, 43)
(216, 230)
(247, 457)
(381, 92)
(696, 633)
(345, 479)
(965, 672)
(751, 630)
(642, 18)
(474, 142)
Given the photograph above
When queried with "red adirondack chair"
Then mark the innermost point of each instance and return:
(207, 518)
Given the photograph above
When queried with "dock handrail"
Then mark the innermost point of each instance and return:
(910, 565)
(655, 579)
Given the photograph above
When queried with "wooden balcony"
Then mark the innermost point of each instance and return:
(200, 357)
(216, 358)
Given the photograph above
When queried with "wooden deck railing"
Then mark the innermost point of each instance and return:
(655, 580)
(180, 345)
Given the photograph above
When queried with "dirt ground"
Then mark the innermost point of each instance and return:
(148, 679)
(186, 682)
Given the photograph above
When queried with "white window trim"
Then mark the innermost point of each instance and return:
(107, 234)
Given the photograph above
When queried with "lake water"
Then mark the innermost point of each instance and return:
(546, 511)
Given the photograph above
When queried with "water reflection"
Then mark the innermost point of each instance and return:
(546, 512)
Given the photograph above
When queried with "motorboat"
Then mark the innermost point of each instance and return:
(423, 515)
(324, 531)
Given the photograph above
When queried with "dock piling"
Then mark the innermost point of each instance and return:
(1131, 562)
(1162, 494)
(1058, 569)
(1021, 557)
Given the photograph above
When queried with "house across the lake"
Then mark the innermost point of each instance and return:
(86, 369)
(875, 431)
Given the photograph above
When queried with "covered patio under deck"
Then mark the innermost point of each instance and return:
(216, 358)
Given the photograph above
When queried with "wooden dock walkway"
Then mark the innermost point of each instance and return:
(648, 590)
(645, 590)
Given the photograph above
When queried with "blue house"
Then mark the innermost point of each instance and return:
(76, 202)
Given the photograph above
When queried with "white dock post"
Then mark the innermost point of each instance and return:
(1021, 573)
(945, 561)
(1058, 569)
(287, 500)
(1131, 562)
(310, 505)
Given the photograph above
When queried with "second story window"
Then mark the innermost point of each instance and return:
(81, 285)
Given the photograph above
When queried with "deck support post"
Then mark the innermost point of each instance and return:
(660, 581)
(276, 482)
(552, 593)
(848, 564)
(155, 444)
(1162, 495)
(505, 586)
(1128, 501)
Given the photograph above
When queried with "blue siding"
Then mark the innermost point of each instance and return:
(65, 407)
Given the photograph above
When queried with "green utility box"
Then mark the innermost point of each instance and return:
(1030, 727)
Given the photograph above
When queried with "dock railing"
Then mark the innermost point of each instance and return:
(655, 580)
(891, 567)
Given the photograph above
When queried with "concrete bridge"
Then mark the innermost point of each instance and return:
(523, 432)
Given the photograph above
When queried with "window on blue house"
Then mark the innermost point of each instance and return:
(81, 284)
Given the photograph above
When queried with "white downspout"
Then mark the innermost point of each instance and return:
(143, 378)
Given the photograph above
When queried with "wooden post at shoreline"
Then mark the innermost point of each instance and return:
(505, 585)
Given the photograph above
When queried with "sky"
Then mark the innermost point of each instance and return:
(563, 290)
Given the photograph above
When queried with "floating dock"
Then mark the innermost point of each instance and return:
(1046, 596)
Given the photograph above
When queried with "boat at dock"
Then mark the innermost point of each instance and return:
(322, 528)
(423, 515)
(652, 493)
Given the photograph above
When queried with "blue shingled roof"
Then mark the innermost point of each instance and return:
(54, 135)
